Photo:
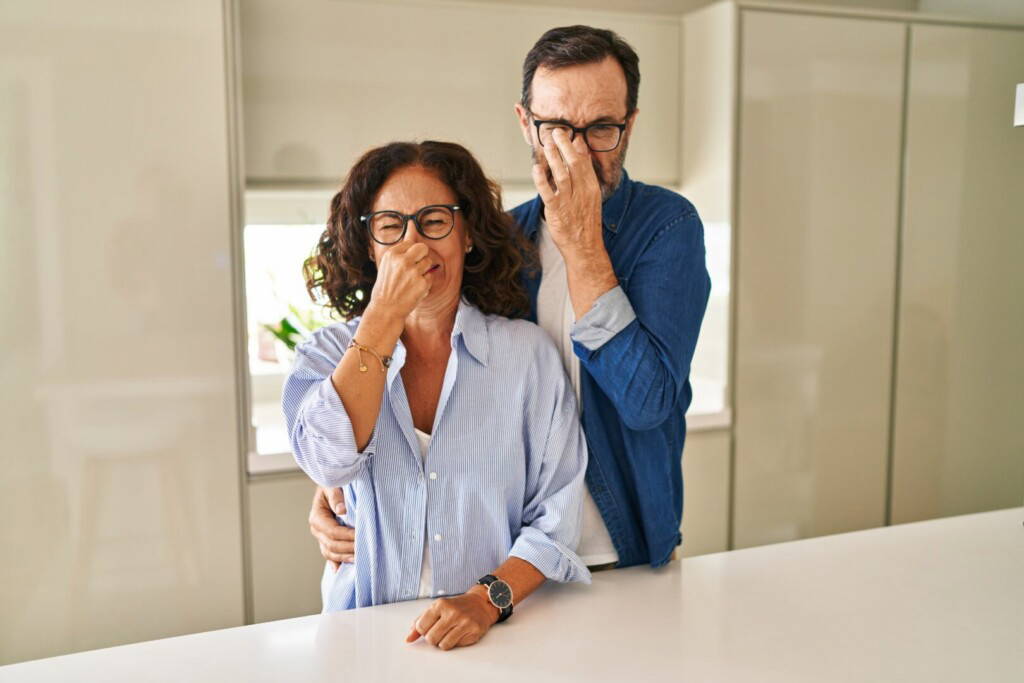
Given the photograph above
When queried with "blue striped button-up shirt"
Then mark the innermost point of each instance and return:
(503, 475)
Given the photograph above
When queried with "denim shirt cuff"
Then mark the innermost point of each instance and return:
(609, 315)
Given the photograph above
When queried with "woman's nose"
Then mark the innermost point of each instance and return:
(412, 234)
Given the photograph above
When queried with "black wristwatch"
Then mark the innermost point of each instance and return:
(500, 595)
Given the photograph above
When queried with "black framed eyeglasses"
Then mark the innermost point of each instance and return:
(600, 137)
(435, 222)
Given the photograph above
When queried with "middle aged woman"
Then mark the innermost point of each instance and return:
(452, 428)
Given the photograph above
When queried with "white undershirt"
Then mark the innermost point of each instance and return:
(556, 317)
(426, 573)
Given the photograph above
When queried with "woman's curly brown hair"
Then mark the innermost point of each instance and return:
(340, 267)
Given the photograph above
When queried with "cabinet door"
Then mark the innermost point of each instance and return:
(120, 486)
(706, 504)
(959, 441)
(327, 81)
(820, 121)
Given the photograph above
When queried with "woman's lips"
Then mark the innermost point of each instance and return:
(434, 267)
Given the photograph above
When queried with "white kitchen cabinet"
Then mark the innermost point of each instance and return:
(706, 492)
(819, 130)
(286, 565)
(871, 175)
(791, 130)
(326, 80)
(958, 444)
(120, 491)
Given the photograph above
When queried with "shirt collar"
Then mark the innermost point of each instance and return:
(614, 207)
(470, 325)
(612, 210)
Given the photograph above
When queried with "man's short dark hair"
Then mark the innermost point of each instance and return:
(572, 45)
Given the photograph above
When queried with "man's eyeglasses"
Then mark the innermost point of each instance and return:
(600, 137)
(434, 222)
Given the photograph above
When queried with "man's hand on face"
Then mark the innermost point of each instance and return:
(572, 196)
(337, 541)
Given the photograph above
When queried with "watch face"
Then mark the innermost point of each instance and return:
(500, 594)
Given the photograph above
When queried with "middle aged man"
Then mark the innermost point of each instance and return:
(622, 290)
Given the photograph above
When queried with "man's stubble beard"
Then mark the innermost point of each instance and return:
(608, 185)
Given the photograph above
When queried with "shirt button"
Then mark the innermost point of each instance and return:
(433, 475)
(437, 537)
(440, 592)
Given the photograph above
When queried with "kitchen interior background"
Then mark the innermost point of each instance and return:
(165, 167)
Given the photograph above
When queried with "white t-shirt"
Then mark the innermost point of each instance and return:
(426, 573)
(556, 317)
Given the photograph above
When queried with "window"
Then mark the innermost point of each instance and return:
(281, 231)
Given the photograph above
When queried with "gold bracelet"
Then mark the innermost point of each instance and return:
(385, 361)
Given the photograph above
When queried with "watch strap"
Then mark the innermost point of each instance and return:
(503, 612)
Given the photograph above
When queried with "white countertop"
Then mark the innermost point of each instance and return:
(933, 601)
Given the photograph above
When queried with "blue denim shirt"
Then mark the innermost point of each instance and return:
(635, 346)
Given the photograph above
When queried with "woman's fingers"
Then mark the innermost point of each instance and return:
(453, 637)
(426, 621)
(471, 637)
(413, 636)
(417, 252)
(439, 630)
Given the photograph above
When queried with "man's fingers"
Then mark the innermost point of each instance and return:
(413, 636)
(334, 565)
(339, 533)
(583, 173)
(339, 548)
(568, 149)
(336, 500)
(540, 181)
(577, 160)
(559, 171)
(329, 555)
(320, 507)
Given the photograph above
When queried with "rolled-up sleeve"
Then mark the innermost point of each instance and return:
(319, 429)
(609, 315)
(553, 512)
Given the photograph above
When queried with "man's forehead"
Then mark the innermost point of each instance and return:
(580, 93)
